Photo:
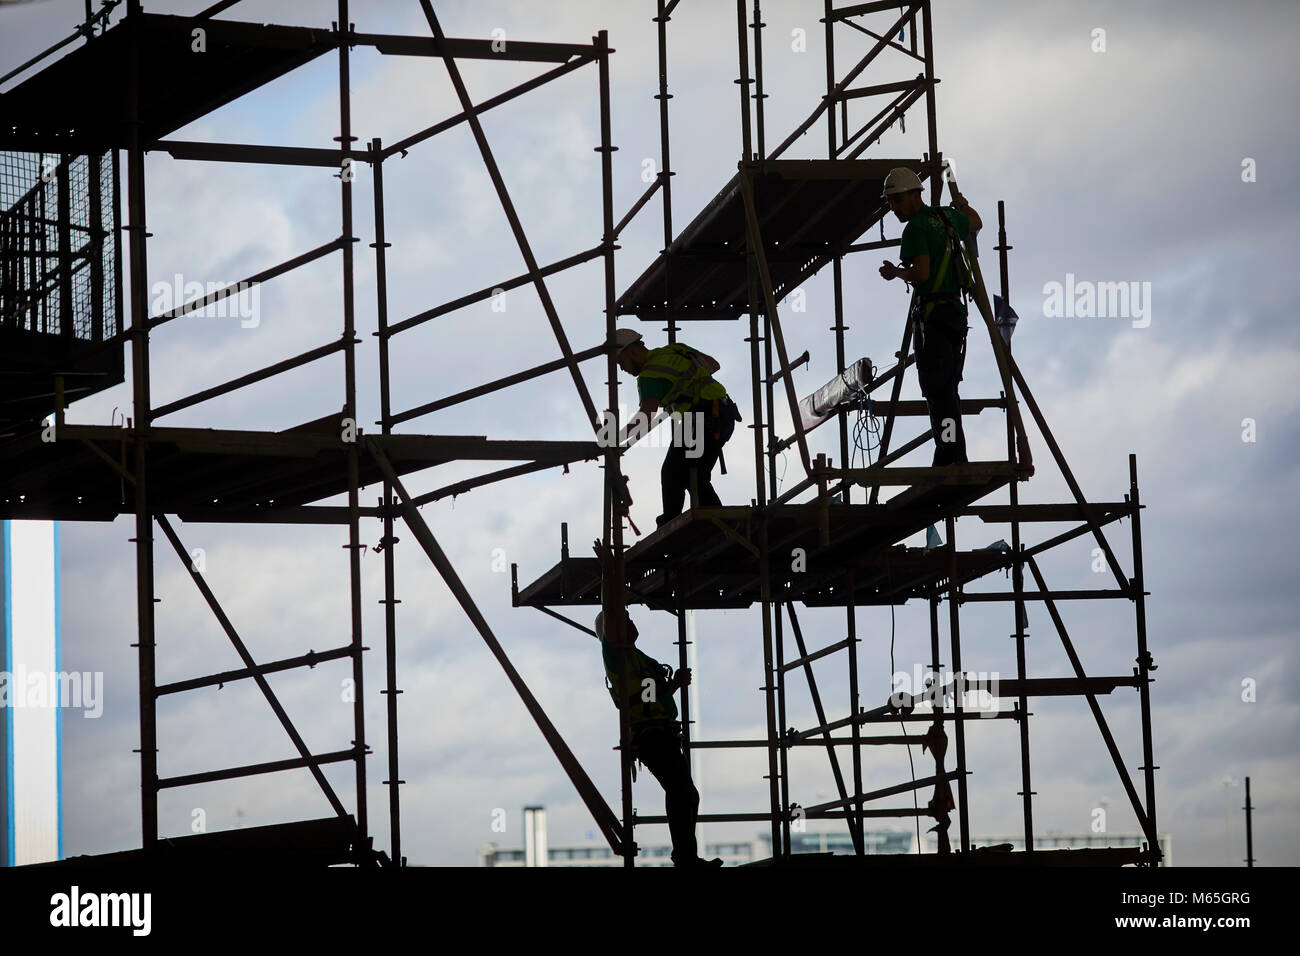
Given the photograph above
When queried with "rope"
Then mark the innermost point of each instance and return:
(866, 427)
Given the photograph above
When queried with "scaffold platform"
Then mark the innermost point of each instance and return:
(809, 212)
(178, 83)
(709, 557)
(221, 474)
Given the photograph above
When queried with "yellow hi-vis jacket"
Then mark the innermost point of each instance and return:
(689, 381)
(629, 687)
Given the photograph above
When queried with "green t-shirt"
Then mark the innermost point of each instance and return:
(922, 236)
(647, 387)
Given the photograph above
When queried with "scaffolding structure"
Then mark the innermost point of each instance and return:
(776, 223)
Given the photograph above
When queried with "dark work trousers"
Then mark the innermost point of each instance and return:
(660, 749)
(678, 465)
(940, 355)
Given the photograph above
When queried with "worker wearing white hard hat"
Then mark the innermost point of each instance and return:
(623, 338)
(679, 378)
(930, 255)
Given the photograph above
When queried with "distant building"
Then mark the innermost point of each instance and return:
(31, 824)
(904, 841)
(738, 853)
(598, 854)
(840, 843)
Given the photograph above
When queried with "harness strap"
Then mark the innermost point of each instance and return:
(683, 379)
(939, 276)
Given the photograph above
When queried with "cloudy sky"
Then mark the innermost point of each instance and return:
(1165, 159)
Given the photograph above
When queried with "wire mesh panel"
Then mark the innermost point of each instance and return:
(59, 257)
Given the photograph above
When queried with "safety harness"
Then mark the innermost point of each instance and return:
(963, 266)
(629, 688)
(964, 272)
(690, 381)
(629, 691)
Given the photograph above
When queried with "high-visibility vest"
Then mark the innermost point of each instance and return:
(689, 381)
(630, 688)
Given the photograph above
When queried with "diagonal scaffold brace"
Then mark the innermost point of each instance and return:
(604, 816)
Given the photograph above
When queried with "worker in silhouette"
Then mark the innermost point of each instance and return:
(932, 263)
(644, 688)
(680, 379)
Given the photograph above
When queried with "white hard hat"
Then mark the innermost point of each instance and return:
(623, 338)
(900, 180)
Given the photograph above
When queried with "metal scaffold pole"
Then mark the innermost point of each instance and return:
(1250, 839)
(1017, 570)
(143, 418)
(346, 139)
(613, 449)
(390, 600)
(958, 705)
(665, 181)
(1145, 663)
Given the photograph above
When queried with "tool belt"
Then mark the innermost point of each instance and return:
(673, 729)
(941, 310)
(717, 411)
(938, 298)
